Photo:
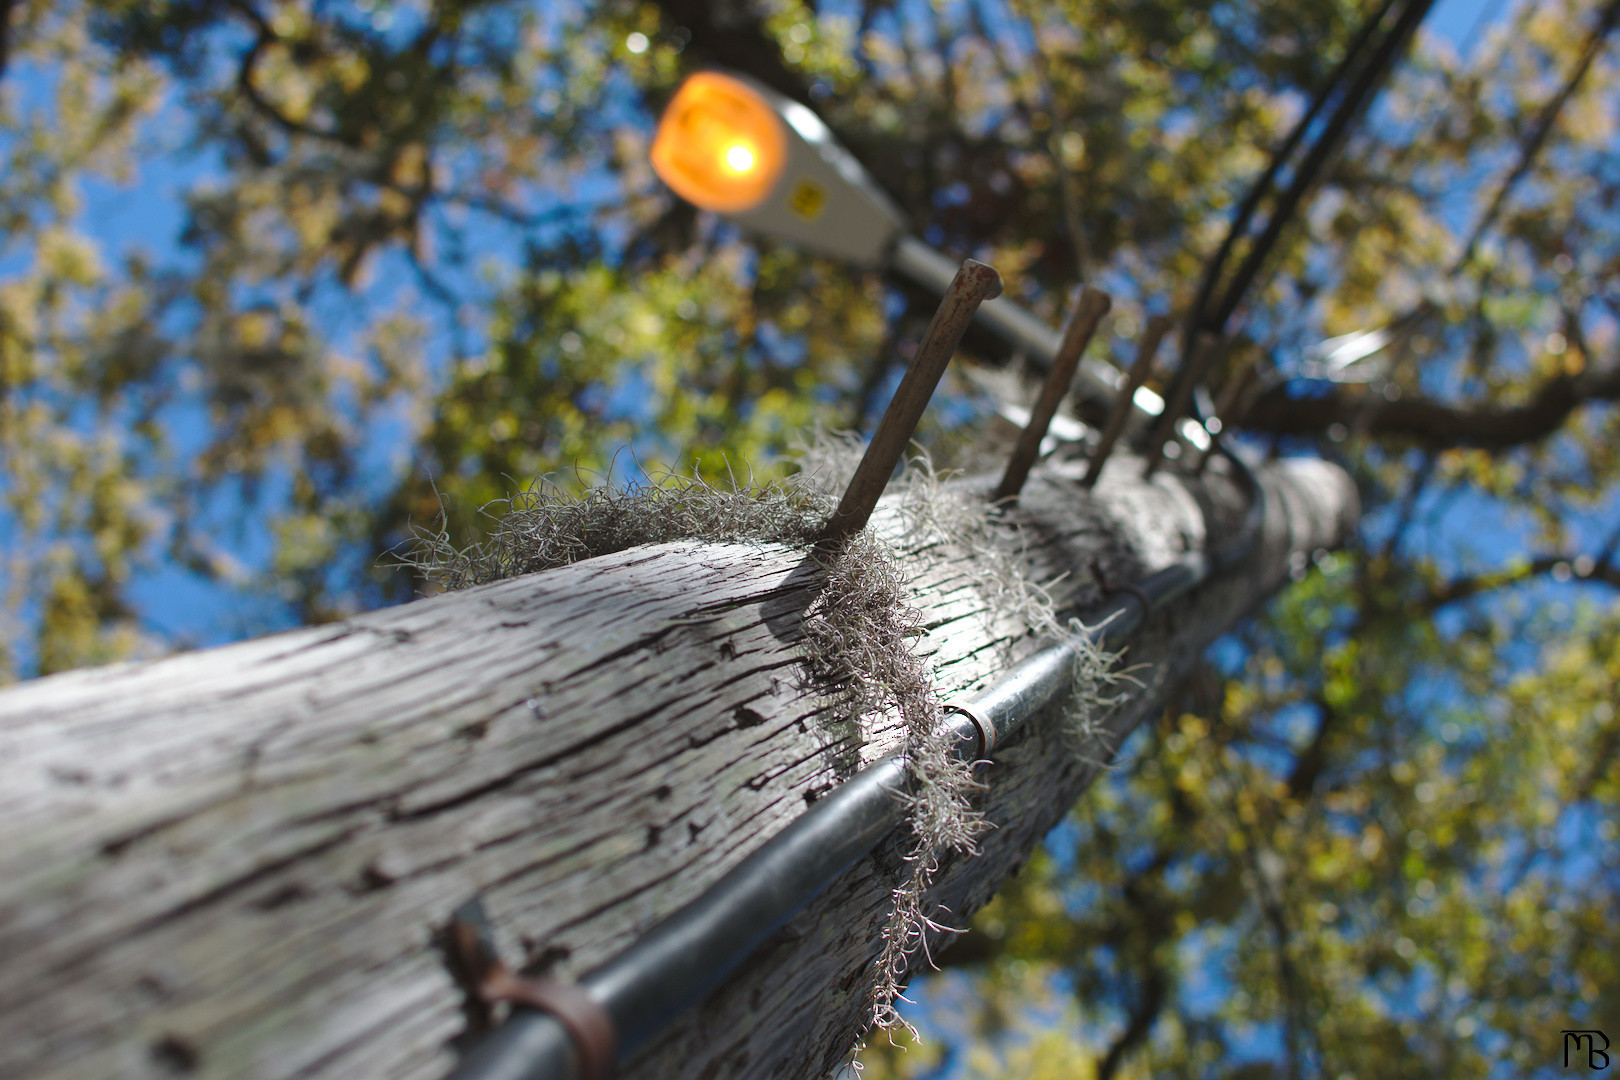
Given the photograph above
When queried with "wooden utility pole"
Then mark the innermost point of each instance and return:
(233, 863)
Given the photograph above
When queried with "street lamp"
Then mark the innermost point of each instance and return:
(729, 144)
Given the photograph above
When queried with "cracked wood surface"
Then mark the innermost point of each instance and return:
(234, 862)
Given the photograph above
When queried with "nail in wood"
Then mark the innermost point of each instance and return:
(973, 285)
(1203, 352)
(1152, 335)
(1093, 305)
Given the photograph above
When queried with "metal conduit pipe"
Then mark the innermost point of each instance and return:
(677, 963)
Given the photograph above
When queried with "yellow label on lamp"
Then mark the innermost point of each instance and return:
(807, 199)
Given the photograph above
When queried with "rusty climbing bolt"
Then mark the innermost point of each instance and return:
(973, 285)
(1146, 348)
(1093, 305)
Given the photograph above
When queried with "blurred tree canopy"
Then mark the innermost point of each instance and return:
(276, 276)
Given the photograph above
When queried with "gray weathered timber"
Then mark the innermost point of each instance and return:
(233, 862)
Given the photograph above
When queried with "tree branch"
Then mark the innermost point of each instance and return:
(1548, 116)
(1310, 762)
(5, 34)
(1466, 588)
(1437, 424)
(1155, 989)
(262, 105)
(1287, 974)
(730, 34)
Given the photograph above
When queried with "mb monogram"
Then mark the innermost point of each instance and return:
(1586, 1042)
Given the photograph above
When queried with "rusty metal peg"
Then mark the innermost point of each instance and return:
(1204, 348)
(1147, 347)
(1093, 305)
(973, 285)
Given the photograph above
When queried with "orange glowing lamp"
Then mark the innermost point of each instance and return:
(728, 144)
(720, 145)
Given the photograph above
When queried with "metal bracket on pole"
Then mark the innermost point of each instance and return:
(1204, 350)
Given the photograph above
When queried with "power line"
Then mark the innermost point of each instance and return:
(1263, 184)
(1316, 158)
(1358, 75)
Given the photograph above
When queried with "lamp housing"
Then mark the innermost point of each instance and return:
(730, 144)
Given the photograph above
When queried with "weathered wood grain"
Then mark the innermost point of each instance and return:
(233, 862)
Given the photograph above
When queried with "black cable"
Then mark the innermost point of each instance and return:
(1263, 184)
(1213, 317)
(681, 960)
(1316, 157)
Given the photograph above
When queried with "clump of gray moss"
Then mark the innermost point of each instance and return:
(858, 633)
(547, 526)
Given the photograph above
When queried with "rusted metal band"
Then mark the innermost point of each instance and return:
(589, 1026)
(487, 980)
